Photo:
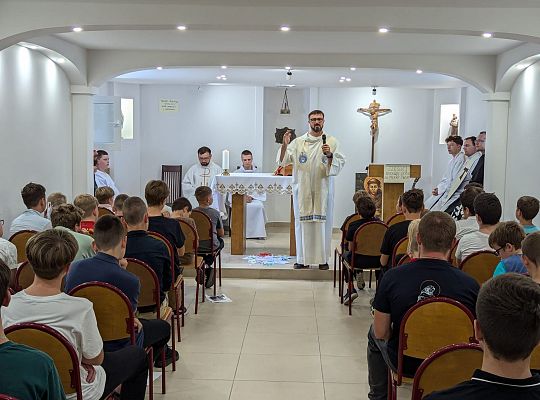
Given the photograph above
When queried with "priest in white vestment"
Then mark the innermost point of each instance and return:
(255, 215)
(451, 198)
(453, 145)
(101, 177)
(200, 174)
(314, 166)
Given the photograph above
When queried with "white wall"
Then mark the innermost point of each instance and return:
(35, 128)
(522, 176)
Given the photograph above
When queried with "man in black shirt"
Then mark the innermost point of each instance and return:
(144, 247)
(508, 329)
(401, 288)
(478, 171)
(412, 206)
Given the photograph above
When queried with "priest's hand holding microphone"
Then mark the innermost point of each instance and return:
(326, 148)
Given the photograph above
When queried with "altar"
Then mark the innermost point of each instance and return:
(239, 185)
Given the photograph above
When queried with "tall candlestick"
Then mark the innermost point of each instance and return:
(225, 160)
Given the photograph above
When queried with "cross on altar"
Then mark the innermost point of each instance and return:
(374, 111)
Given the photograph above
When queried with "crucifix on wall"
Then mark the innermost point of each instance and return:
(374, 111)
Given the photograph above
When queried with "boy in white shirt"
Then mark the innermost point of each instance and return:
(468, 223)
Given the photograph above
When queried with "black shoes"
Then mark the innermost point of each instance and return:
(324, 267)
(300, 266)
(168, 358)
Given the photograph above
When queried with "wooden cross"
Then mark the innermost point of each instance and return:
(374, 111)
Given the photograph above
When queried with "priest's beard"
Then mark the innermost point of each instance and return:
(317, 128)
(204, 163)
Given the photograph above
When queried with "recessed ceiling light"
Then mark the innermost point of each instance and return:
(521, 66)
(218, 77)
(159, 68)
(487, 35)
(181, 27)
(223, 67)
(383, 30)
(353, 68)
(77, 29)
(285, 28)
(348, 79)
(60, 60)
(288, 68)
(341, 80)
(224, 78)
(419, 71)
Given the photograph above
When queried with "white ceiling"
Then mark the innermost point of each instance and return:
(272, 77)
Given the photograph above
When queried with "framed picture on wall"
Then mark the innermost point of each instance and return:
(449, 121)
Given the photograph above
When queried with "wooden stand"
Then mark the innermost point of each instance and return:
(391, 191)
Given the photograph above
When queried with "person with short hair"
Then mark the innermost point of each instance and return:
(431, 275)
(200, 174)
(506, 240)
(453, 145)
(105, 197)
(54, 200)
(68, 217)
(108, 266)
(33, 195)
(508, 328)
(356, 195)
(413, 204)
(531, 255)
(526, 210)
(181, 211)
(89, 205)
(468, 224)
(144, 247)
(118, 204)
(365, 206)
(488, 211)
(101, 175)
(27, 373)
(50, 254)
(477, 174)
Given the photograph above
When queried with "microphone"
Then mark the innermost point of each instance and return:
(323, 139)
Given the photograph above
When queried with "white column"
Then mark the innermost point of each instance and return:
(496, 144)
(82, 125)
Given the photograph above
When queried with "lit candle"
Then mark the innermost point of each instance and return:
(225, 160)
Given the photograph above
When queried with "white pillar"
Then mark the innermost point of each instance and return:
(496, 144)
(82, 128)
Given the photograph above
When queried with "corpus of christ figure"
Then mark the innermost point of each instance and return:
(374, 111)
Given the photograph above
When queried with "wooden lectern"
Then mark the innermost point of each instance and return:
(391, 191)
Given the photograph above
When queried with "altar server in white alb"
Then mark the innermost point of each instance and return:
(101, 177)
(255, 215)
(200, 174)
(316, 159)
(453, 145)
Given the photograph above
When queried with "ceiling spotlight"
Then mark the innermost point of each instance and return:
(218, 77)
(285, 28)
(348, 79)
(487, 35)
(374, 91)
(223, 67)
(159, 68)
(181, 27)
(288, 68)
(353, 68)
(521, 67)
(419, 71)
(224, 78)
(341, 80)
(383, 30)
(60, 60)
(77, 29)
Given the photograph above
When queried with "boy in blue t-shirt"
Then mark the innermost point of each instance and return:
(526, 210)
(506, 241)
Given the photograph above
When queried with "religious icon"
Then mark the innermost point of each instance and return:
(454, 126)
(373, 185)
(281, 132)
(374, 111)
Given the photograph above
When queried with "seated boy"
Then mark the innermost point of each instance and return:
(356, 195)
(50, 253)
(110, 240)
(68, 217)
(531, 255)
(89, 205)
(118, 204)
(526, 211)
(28, 373)
(468, 224)
(181, 211)
(365, 207)
(105, 197)
(506, 241)
(203, 194)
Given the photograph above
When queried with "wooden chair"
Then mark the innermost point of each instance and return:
(24, 276)
(367, 242)
(452, 259)
(404, 260)
(204, 230)
(191, 244)
(394, 219)
(176, 286)
(446, 368)
(535, 359)
(480, 265)
(149, 296)
(172, 176)
(115, 317)
(53, 343)
(428, 326)
(19, 239)
(399, 249)
(338, 251)
(104, 211)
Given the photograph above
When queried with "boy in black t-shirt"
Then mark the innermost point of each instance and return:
(508, 329)
(365, 207)
(412, 206)
(401, 288)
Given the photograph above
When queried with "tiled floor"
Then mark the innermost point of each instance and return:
(276, 340)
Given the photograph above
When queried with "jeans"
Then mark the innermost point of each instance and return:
(378, 361)
(128, 367)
